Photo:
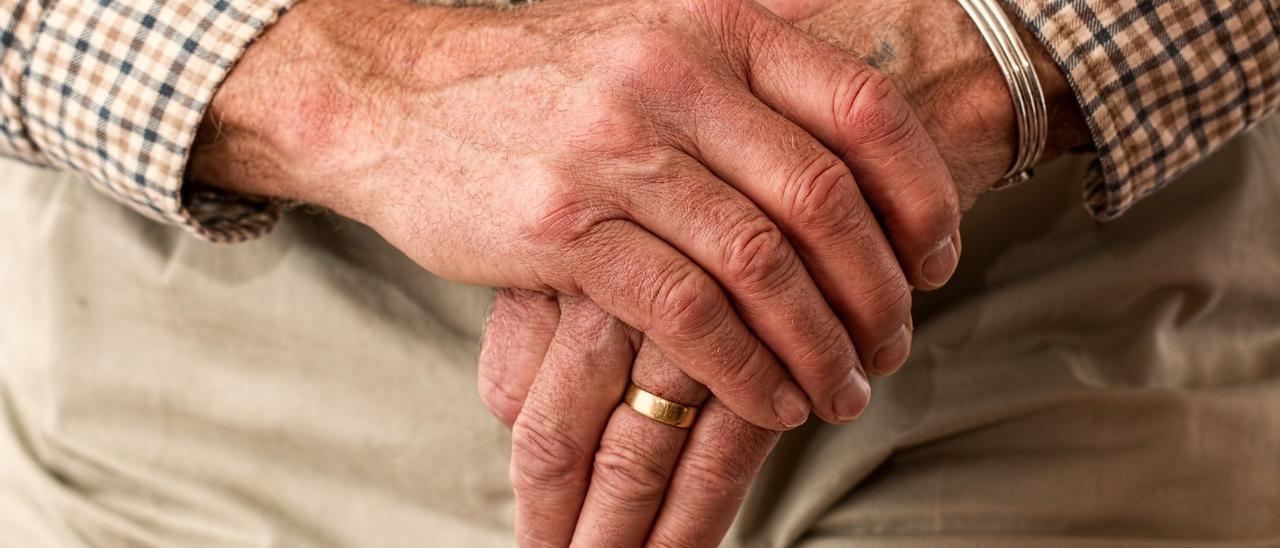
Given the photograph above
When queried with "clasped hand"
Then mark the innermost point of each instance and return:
(590, 471)
(695, 186)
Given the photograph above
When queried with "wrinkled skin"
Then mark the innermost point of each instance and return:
(646, 483)
(687, 166)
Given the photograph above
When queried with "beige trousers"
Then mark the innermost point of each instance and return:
(1076, 385)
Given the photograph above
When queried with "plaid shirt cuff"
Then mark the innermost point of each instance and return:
(115, 90)
(1162, 83)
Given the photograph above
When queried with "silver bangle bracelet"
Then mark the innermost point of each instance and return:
(1029, 107)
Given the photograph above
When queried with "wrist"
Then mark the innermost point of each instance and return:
(968, 101)
(240, 144)
(939, 60)
(285, 121)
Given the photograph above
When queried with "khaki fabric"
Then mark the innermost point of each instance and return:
(1077, 384)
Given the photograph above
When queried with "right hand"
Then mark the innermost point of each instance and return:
(650, 156)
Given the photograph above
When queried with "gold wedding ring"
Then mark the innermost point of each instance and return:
(659, 409)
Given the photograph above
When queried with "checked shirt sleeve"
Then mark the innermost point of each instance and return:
(1162, 83)
(115, 90)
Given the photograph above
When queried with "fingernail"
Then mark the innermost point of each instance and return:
(852, 397)
(892, 355)
(941, 262)
(790, 405)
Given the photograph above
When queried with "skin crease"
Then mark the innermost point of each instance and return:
(684, 489)
(636, 154)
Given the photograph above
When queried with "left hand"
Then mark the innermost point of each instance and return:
(590, 470)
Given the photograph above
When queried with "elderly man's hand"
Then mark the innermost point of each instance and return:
(655, 484)
(589, 471)
(686, 165)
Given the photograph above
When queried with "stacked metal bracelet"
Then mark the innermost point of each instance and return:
(1024, 84)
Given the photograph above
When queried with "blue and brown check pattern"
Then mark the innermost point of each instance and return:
(1162, 83)
(115, 90)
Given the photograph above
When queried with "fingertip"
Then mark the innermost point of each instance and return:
(852, 397)
(790, 405)
(941, 262)
(893, 353)
(502, 404)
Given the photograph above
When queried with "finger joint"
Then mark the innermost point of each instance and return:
(543, 455)
(758, 260)
(629, 475)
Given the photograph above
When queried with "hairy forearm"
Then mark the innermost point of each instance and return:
(285, 100)
(335, 76)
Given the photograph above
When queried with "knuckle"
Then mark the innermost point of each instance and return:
(565, 216)
(873, 109)
(819, 192)
(740, 374)
(850, 225)
(516, 315)
(948, 206)
(758, 258)
(930, 199)
(831, 349)
(720, 481)
(690, 304)
(588, 329)
(659, 166)
(664, 89)
(628, 474)
(742, 29)
(887, 305)
(761, 35)
(607, 131)
(859, 222)
(929, 210)
(542, 455)
(653, 60)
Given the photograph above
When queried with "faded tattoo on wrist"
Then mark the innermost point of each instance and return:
(881, 56)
